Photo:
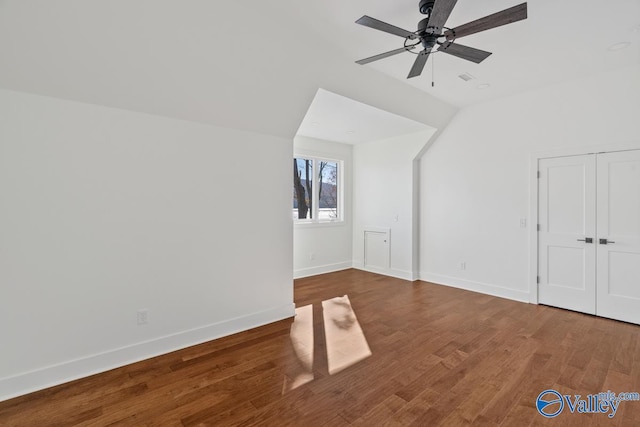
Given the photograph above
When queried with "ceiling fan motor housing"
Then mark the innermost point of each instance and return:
(423, 25)
(427, 38)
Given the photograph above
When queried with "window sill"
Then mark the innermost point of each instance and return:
(320, 224)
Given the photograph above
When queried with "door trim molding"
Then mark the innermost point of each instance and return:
(533, 197)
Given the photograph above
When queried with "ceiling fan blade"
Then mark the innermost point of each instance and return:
(440, 13)
(376, 24)
(464, 52)
(384, 55)
(419, 63)
(507, 16)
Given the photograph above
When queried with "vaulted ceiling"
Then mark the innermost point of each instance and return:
(256, 65)
(251, 65)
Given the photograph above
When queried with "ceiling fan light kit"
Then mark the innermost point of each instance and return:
(431, 32)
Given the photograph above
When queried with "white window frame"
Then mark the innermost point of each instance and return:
(315, 197)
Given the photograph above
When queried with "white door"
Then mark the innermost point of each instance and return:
(567, 220)
(376, 250)
(618, 282)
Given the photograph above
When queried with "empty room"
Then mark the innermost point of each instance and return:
(247, 213)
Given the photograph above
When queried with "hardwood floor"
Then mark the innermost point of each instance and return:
(440, 356)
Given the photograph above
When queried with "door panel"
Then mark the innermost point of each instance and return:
(376, 250)
(618, 278)
(567, 208)
(566, 267)
(566, 197)
(623, 274)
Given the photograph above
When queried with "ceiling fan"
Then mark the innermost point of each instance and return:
(431, 32)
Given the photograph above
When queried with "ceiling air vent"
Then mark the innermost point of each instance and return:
(466, 77)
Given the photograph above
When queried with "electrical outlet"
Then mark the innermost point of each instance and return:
(523, 222)
(463, 265)
(143, 317)
(312, 256)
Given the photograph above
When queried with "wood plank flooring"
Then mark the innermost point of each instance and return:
(440, 356)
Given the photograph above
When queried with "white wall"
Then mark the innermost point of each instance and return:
(111, 211)
(107, 211)
(475, 179)
(322, 248)
(384, 189)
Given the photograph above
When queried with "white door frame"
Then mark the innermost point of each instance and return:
(533, 198)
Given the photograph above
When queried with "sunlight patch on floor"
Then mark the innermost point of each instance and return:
(346, 343)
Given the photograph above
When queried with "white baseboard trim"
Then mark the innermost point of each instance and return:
(50, 376)
(483, 288)
(392, 272)
(321, 269)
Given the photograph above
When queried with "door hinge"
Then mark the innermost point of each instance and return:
(538, 227)
(538, 174)
(538, 279)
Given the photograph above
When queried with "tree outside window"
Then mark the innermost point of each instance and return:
(302, 188)
(315, 195)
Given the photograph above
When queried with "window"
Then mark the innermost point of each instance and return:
(316, 189)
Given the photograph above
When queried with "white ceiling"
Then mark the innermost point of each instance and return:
(560, 40)
(249, 65)
(337, 118)
(256, 65)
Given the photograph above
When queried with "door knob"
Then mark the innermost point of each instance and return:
(586, 240)
(605, 241)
